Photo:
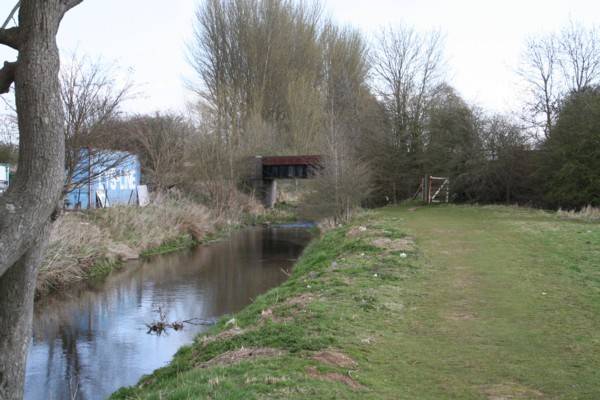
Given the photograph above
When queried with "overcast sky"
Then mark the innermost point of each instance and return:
(483, 39)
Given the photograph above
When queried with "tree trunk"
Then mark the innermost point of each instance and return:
(27, 209)
(17, 288)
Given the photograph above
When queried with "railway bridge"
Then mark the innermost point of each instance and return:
(269, 169)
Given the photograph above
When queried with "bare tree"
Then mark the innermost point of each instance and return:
(539, 70)
(30, 204)
(555, 65)
(246, 54)
(160, 141)
(91, 99)
(580, 56)
(408, 65)
(343, 182)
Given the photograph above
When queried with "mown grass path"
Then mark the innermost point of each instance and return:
(511, 306)
(493, 303)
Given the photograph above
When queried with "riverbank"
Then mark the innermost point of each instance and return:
(430, 303)
(101, 331)
(86, 246)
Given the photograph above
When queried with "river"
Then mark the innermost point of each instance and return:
(88, 344)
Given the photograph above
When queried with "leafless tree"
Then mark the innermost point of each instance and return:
(92, 98)
(345, 72)
(556, 64)
(539, 70)
(30, 204)
(160, 141)
(579, 55)
(408, 65)
(247, 55)
(343, 182)
(270, 75)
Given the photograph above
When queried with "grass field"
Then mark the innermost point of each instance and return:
(444, 302)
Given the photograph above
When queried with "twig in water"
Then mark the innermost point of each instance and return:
(162, 326)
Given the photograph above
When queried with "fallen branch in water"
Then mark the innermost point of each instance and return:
(162, 325)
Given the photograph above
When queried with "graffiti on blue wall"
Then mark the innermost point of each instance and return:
(112, 178)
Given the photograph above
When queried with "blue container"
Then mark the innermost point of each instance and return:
(116, 185)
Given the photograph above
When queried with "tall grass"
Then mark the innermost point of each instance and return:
(75, 246)
(166, 218)
(82, 241)
(588, 213)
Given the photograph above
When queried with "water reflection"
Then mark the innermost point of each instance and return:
(87, 346)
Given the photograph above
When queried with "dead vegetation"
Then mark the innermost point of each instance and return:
(404, 244)
(511, 391)
(357, 231)
(587, 213)
(378, 239)
(80, 242)
(228, 334)
(334, 358)
(163, 326)
(242, 354)
(296, 305)
(333, 377)
(167, 217)
(460, 316)
(75, 246)
(301, 300)
(268, 315)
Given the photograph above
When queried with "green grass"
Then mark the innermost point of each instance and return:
(182, 242)
(280, 214)
(496, 303)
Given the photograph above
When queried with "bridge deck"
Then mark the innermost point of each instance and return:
(289, 167)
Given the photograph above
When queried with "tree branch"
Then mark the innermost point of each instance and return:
(11, 15)
(10, 37)
(7, 76)
(68, 4)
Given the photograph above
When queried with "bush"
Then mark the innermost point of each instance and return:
(571, 155)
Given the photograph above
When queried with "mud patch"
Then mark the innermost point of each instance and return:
(510, 391)
(334, 358)
(404, 244)
(333, 377)
(243, 354)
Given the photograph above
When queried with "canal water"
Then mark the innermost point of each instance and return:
(89, 344)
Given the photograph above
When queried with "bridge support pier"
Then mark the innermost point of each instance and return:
(270, 193)
(264, 172)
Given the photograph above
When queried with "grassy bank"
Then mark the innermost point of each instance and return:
(491, 303)
(87, 246)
